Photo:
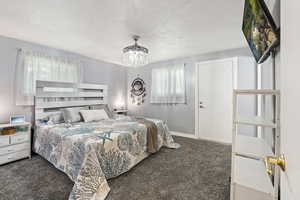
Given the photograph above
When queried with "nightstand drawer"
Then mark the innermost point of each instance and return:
(19, 138)
(14, 148)
(13, 156)
(4, 141)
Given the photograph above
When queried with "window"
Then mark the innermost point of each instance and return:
(38, 66)
(168, 85)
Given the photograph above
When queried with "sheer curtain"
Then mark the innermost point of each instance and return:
(32, 66)
(168, 84)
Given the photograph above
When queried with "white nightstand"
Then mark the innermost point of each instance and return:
(16, 146)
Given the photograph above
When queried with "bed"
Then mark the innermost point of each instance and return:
(91, 152)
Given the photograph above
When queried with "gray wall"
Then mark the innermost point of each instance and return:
(180, 117)
(95, 71)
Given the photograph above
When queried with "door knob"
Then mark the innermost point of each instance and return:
(270, 161)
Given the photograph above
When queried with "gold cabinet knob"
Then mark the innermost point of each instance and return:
(270, 161)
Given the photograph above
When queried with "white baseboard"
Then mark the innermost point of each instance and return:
(187, 135)
(216, 141)
(192, 136)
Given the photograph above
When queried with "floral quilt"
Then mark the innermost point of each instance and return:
(91, 153)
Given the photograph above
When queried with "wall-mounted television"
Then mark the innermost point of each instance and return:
(259, 29)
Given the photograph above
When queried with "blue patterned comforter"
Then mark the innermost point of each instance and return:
(91, 153)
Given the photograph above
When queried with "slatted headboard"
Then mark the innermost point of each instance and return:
(51, 97)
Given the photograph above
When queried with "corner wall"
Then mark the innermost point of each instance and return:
(180, 117)
(95, 71)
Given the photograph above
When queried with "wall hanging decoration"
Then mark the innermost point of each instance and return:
(138, 91)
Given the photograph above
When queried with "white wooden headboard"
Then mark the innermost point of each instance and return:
(53, 96)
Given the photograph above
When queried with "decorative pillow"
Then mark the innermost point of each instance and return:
(56, 118)
(72, 115)
(105, 107)
(93, 115)
(43, 121)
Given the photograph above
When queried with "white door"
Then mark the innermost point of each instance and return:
(290, 99)
(214, 107)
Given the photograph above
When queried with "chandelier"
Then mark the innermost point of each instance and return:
(135, 55)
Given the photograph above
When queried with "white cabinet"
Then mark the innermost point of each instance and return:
(4, 141)
(16, 146)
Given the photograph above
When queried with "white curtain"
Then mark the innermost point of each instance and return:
(168, 84)
(32, 66)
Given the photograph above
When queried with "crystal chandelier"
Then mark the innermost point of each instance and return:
(135, 55)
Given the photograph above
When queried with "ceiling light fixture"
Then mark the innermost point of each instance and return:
(135, 55)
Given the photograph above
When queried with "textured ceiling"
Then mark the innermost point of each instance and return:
(102, 28)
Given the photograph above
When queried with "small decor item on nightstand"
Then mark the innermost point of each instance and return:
(17, 119)
(21, 128)
(8, 131)
(138, 91)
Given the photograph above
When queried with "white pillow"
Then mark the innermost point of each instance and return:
(93, 115)
(72, 115)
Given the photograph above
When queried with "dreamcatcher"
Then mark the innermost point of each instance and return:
(138, 91)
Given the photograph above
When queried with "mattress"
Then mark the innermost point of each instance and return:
(91, 153)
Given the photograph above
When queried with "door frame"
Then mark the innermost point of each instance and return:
(234, 86)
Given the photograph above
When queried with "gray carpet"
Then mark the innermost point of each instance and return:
(199, 170)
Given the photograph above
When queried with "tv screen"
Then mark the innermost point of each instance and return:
(259, 29)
